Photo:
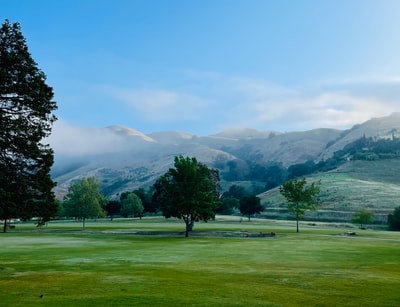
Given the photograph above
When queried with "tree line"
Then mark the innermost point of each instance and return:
(189, 191)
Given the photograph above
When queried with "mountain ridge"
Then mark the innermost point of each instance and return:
(123, 158)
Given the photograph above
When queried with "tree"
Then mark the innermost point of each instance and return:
(227, 205)
(394, 219)
(131, 205)
(362, 217)
(146, 199)
(113, 207)
(26, 106)
(299, 197)
(188, 192)
(250, 205)
(84, 199)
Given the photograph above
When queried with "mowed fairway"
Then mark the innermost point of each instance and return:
(107, 265)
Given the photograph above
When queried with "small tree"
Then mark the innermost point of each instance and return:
(188, 192)
(131, 205)
(250, 205)
(394, 219)
(362, 217)
(84, 200)
(299, 197)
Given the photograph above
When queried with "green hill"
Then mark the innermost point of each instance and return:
(370, 185)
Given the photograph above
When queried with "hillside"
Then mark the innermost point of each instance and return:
(372, 185)
(125, 159)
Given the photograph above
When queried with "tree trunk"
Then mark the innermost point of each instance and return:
(5, 225)
(189, 227)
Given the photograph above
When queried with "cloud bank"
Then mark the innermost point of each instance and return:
(221, 102)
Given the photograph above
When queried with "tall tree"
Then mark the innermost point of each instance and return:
(300, 197)
(26, 106)
(84, 200)
(188, 192)
(250, 205)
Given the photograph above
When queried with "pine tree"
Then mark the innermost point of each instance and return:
(26, 105)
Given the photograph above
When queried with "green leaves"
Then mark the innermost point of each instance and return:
(188, 191)
(300, 197)
(26, 106)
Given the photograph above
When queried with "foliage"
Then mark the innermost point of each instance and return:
(250, 205)
(188, 192)
(26, 105)
(300, 197)
(131, 205)
(113, 208)
(228, 204)
(362, 217)
(84, 199)
(235, 191)
(394, 219)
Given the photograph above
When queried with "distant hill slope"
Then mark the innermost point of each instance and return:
(125, 159)
(372, 185)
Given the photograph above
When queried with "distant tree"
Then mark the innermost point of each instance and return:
(362, 217)
(84, 200)
(145, 196)
(394, 219)
(236, 191)
(250, 205)
(188, 191)
(26, 106)
(113, 208)
(131, 206)
(228, 204)
(299, 197)
(275, 175)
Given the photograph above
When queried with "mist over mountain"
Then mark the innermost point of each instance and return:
(124, 159)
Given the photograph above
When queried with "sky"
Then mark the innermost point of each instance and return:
(203, 66)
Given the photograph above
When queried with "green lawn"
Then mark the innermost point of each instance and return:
(111, 265)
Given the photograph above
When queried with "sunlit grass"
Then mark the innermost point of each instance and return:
(318, 267)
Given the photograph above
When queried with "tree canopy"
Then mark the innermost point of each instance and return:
(300, 197)
(188, 191)
(26, 106)
(131, 205)
(250, 205)
(394, 219)
(362, 217)
(84, 200)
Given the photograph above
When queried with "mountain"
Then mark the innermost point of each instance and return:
(124, 159)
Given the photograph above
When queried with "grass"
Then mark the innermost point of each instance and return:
(110, 265)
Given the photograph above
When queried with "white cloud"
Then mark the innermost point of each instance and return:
(220, 102)
(162, 105)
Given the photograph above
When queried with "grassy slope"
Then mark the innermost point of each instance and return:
(372, 185)
(114, 269)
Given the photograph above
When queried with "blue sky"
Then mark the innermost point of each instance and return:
(208, 65)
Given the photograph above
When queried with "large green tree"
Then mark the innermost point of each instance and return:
(300, 197)
(26, 106)
(189, 192)
(84, 200)
(250, 205)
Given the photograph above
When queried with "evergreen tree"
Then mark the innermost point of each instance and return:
(26, 106)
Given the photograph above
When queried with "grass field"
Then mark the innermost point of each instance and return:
(150, 263)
